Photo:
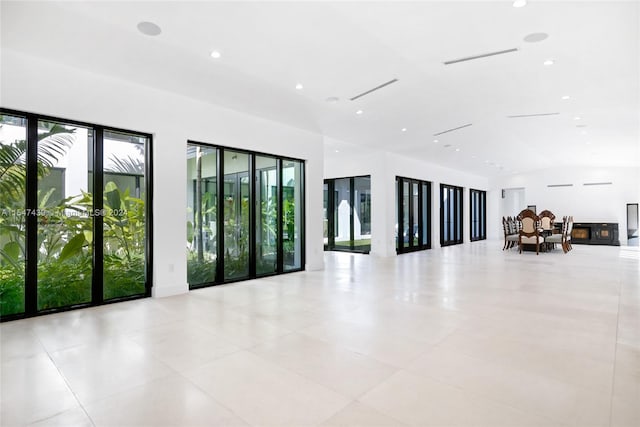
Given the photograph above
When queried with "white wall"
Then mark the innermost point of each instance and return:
(33, 85)
(383, 168)
(605, 203)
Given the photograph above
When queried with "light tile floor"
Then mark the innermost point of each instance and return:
(467, 335)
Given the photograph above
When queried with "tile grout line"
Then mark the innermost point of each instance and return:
(75, 396)
(615, 352)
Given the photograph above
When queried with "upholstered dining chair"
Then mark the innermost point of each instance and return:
(529, 233)
(546, 220)
(510, 233)
(566, 246)
(546, 224)
(558, 238)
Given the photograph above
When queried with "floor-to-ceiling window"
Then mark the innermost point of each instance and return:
(267, 224)
(347, 207)
(74, 221)
(478, 214)
(292, 214)
(450, 215)
(257, 229)
(413, 199)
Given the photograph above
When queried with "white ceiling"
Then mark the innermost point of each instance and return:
(341, 49)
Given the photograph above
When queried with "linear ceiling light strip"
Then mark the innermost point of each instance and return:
(374, 89)
(517, 116)
(484, 55)
(453, 129)
(560, 185)
(597, 183)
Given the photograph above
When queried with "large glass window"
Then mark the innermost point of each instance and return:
(13, 185)
(73, 199)
(413, 198)
(259, 229)
(348, 214)
(478, 214)
(236, 215)
(65, 226)
(266, 215)
(362, 214)
(292, 203)
(342, 214)
(202, 202)
(124, 219)
(450, 215)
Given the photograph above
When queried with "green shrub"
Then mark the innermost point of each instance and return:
(11, 291)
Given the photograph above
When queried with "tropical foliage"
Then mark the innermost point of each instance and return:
(65, 232)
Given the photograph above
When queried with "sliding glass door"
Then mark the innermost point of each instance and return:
(74, 226)
(258, 230)
(450, 215)
(347, 204)
(478, 214)
(413, 199)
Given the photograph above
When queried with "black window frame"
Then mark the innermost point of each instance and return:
(332, 216)
(96, 170)
(477, 227)
(401, 248)
(457, 228)
(280, 160)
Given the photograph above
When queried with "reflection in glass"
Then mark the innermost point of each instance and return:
(396, 212)
(412, 203)
(424, 219)
(236, 215)
(124, 215)
(451, 214)
(343, 213)
(325, 213)
(202, 199)
(292, 214)
(415, 208)
(65, 215)
(13, 135)
(266, 215)
(362, 214)
(477, 214)
(406, 233)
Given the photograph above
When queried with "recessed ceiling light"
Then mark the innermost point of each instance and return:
(535, 37)
(519, 3)
(359, 112)
(299, 86)
(548, 62)
(565, 97)
(457, 149)
(149, 28)
(215, 54)
(403, 129)
(337, 151)
(436, 141)
(577, 118)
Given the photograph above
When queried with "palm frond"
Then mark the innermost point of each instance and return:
(129, 165)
